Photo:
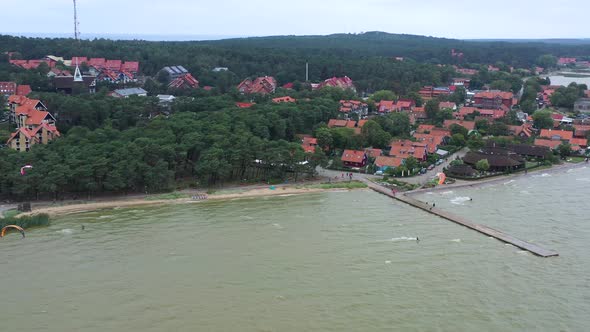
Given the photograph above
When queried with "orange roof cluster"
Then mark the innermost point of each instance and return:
(494, 94)
(489, 113)
(261, 85)
(388, 106)
(407, 148)
(565, 135)
(335, 123)
(347, 106)
(309, 144)
(337, 82)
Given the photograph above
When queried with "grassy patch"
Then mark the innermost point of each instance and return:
(338, 185)
(10, 213)
(576, 159)
(175, 195)
(26, 222)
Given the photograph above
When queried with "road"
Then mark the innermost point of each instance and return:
(418, 179)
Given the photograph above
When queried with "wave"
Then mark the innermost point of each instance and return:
(106, 217)
(66, 231)
(387, 262)
(447, 193)
(403, 238)
(460, 200)
(456, 240)
(509, 182)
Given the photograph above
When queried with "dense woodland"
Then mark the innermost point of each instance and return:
(113, 145)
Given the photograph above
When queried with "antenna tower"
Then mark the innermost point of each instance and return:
(76, 23)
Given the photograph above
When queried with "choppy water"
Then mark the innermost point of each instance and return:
(320, 262)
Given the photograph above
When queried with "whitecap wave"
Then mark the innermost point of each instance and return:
(387, 262)
(509, 182)
(403, 238)
(456, 240)
(460, 200)
(106, 217)
(66, 231)
(447, 193)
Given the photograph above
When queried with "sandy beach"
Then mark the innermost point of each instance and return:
(65, 209)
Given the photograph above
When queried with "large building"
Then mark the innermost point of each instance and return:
(337, 82)
(493, 99)
(35, 125)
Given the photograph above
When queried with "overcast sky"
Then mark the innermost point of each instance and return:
(440, 18)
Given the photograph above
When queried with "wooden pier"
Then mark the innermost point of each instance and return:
(499, 235)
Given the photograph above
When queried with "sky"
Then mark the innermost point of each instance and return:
(463, 19)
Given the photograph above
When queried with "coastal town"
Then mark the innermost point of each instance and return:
(379, 132)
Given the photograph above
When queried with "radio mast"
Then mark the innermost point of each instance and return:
(77, 73)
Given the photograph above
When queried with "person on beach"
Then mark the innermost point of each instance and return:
(83, 227)
(470, 199)
(417, 239)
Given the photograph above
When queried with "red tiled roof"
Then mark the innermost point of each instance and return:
(353, 156)
(386, 106)
(579, 141)
(447, 104)
(581, 130)
(383, 161)
(561, 134)
(469, 125)
(23, 90)
(36, 117)
(130, 66)
(547, 142)
(337, 82)
(373, 153)
(245, 105)
(97, 63)
(186, 80)
(494, 94)
(424, 128)
(113, 64)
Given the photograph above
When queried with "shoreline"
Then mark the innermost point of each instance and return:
(61, 210)
(498, 179)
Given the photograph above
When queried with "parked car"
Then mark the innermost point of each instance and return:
(423, 171)
(379, 173)
(431, 167)
(440, 161)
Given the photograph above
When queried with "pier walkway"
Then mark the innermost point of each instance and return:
(463, 222)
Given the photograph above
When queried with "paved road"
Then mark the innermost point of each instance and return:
(418, 179)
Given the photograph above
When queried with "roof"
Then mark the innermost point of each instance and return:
(579, 141)
(386, 106)
(36, 117)
(447, 104)
(262, 85)
(557, 134)
(383, 161)
(245, 105)
(130, 92)
(496, 157)
(67, 82)
(469, 125)
(547, 142)
(494, 94)
(338, 82)
(373, 153)
(353, 156)
(310, 140)
(423, 128)
(184, 81)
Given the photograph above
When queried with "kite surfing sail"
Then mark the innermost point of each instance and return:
(22, 169)
(18, 228)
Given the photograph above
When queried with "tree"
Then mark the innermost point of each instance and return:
(482, 165)
(432, 108)
(457, 129)
(547, 61)
(374, 135)
(163, 77)
(501, 85)
(324, 137)
(382, 95)
(457, 140)
(411, 164)
(498, 129)
(542, 119)
(565, 150)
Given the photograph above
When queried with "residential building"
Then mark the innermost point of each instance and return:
(354, 106)
(58, 72)
(581, 130)
(309, 144)
(430, 92)
(386, 106)
(357, 126)
(354, 158)
(566, 61)
(383, 163)
(460, 81)
(499, 159)
(494, 99)
(34, 124)
(523, 131)
(469, 125)
(261, 85)
(557, 135)
(126, 93)
(493, 114)
(447, 105)
(175, 71)
(582, 105)
(338, 82)
(11, 88)
(186, 81)
(406, 148)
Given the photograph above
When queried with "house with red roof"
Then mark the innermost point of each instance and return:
(373, 153)
(382, 163)
(337, 82)
(357, 126)
(469, 125)
(34, 124)
(461, 81)
(431, 92)
(523, 131)
(557, 135)
(406, 148)
(186, 81)
(354, 158)
(418, 114)
(286, 99)
(566, 61)
(552, 144)
(260, 85)
(493, 114)
(405, 105)
(11, 88)
(433, 140)
(447, 104)
(309, 144)
(493, 99)
(354, 106)
(581, 130)
(386, 106)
